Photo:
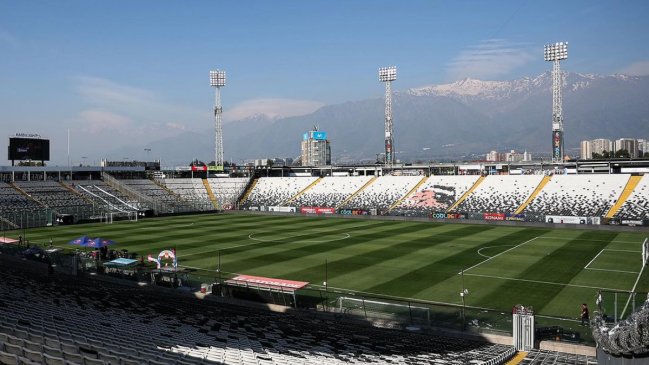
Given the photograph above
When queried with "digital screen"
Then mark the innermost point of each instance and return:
(29, 149)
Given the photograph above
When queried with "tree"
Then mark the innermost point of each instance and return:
(622, 154)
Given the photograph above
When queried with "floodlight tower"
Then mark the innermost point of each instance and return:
(555, 53)
(387, 75)
(217, 80)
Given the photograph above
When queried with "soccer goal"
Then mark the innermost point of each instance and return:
(645, 251)
(384, 310)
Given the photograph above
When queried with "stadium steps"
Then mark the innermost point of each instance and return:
(412, 191)
(520, 356)
(26, 195)
(303, 191)
(210, 193)
(466, 195)
(251, 187)
(9, 223)
(73, 191)
(628, 189)
(545, 181)
(349, 198)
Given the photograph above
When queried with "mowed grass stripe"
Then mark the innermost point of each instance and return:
(377, 256)
(199, 238)
(376, 230)
(256, 249)
(560, 266)
(409, 284)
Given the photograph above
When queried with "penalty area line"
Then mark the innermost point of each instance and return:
(540, 282)
(493, 257)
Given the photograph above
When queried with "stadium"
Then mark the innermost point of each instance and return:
(457, 261)
(420, 260)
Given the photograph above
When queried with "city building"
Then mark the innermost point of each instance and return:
(600, 146)
(316, 149)
(628, 144)
(586, 150)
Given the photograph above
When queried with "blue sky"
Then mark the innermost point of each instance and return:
(129, 72)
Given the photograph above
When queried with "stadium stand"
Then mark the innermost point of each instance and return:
(637, 204)
(12, 200)
(331, 191)
(544, 357)
(151, 189)
(189, 189)
(228, 190)
(578, 195)
(274, 191)
(103, 194)
(58, 197)
(87, 321)
(438, 193)
(383, 192)
(500, 194)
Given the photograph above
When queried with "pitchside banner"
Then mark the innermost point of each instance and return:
(317, 210)
(565, 219)
(353, 212)
(282, 209)
(494, 216)
(444, 215)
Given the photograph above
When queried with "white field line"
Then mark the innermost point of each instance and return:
(480, 253)
(622, 271)
(611, 249)
(594, 258)
(585, 239)
(541, 282)
(258, 242)
(493, 257)
(632, 291)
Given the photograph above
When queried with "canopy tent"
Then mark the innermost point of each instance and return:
(85, 241)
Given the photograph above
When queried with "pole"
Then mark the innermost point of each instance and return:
(326, 285)
(463, 302)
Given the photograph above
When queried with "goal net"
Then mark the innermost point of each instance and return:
(384, 309)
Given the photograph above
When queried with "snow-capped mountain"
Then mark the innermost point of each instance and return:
(451, 120)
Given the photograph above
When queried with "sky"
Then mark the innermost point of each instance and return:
(125, 73)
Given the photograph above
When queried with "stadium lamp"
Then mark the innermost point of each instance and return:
(217, 78)
(387, 73)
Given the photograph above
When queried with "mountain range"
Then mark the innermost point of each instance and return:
(460, 120)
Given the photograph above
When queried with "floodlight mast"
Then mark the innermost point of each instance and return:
(217, 80)
(555, 53)
(387, 75)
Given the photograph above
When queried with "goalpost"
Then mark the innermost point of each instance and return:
(645, 251)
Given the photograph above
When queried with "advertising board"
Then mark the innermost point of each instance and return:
(317, 210)
(565, 219)
(444, 215)
(494, 216)
(353, 212)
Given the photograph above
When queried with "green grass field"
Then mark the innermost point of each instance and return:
(553, 270)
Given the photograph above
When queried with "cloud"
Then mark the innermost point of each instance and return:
(94, 121)
(489, 59)
(273, 108)
(636, 69)
(110, 94)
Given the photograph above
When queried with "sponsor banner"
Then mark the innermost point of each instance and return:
(632, 222)
(565, 219)
(494, 216)
(259, 281)
(281, 209)
(515, 217)
(353, 212)
(444, 215)
(199, 168)
(317, 210)
(557, 144)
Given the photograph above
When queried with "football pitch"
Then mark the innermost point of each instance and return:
(553, 270)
